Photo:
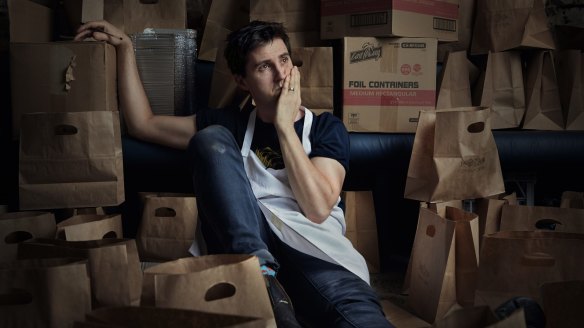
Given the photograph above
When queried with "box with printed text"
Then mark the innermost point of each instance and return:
(386, 82)
(384, 18)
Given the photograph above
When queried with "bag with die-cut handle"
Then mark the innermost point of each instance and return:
(444, 263)
(70, 160)
(168, 226)
(224, 283)
(17, 227)
(501, 25)
(532, 218)
(454, 156)
(90, 227)
(44, 292)
(113, 266)
(519, 263)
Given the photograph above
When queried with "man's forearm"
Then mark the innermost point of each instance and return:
(133, 100)
(313, 190)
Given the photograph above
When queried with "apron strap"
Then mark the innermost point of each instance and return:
(306, 130)
(248, 134)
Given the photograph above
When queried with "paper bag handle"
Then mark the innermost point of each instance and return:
(476, 127)
(62, 235)
(546, 224)
(220, 291)
(165, 212)
(111, 234)
(15, 296)
(16, 237)
(65, 129)
(430, 230)
(538, 260)
(298, 62)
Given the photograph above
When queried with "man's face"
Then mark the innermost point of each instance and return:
(266, 68)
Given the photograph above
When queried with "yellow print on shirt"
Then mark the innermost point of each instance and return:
(270, 158)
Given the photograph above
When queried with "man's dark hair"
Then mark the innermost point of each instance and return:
(241, 42)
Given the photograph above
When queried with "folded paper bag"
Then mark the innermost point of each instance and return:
(90, 227)
(224, 283)
(17, 227)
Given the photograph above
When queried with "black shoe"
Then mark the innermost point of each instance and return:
(534, 315)
(281, 303)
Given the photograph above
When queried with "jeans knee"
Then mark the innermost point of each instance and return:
(214, 139)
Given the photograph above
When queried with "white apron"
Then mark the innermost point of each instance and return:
(325, 241)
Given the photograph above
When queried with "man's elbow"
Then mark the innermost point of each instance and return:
(138, 130)
(319, 215)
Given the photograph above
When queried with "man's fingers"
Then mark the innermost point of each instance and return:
(82, 35)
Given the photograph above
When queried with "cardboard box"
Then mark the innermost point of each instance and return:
(362, 226)
(386, 82)
(397, 18)
(62, 77)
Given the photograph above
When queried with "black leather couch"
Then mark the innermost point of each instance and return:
(554, 161)
(551, 162)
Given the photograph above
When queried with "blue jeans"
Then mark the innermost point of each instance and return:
(323, 294)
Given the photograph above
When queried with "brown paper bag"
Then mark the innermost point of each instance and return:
(570, 77)
(530, 218)
(114, 267)
(70, 160)
(168, 226)
(440, 209)
(454, 82)
(562, 303)
(517, 263)
(501, 25)
(501, 88)
(153, 317)
(90, 227)
(489, 212)
(44, 293)
(454, 156)
(362, 226)
(300, 17)
(17, 227)
(444, 262)
(86, 210)
(224, 90)
(572, 199)
(61, 77)
(543, 109)
(400, 317)
(316, 77)
(226, 284)
(224, 17)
